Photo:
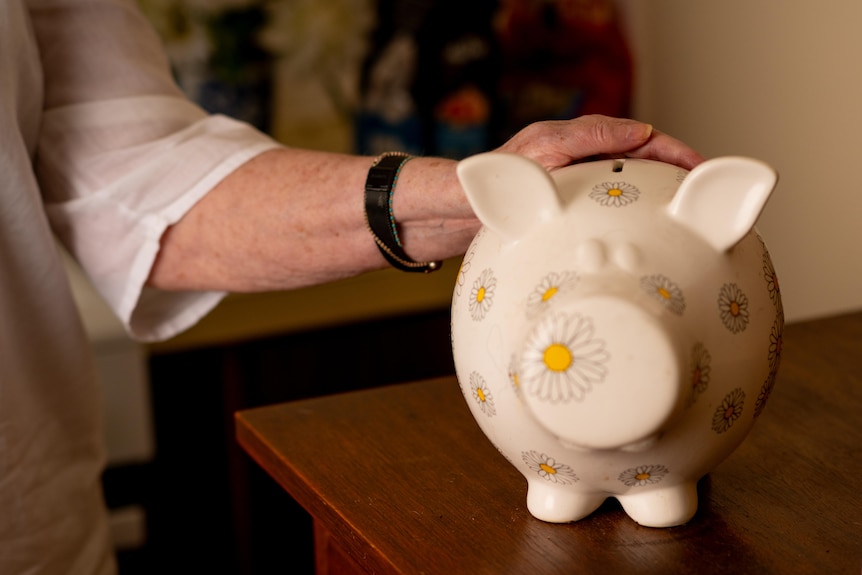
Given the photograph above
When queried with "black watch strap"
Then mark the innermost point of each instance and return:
(379, 185)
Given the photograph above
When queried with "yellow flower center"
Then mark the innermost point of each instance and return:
(663, 292)
(734, 308)
(615, 192)
(480, 295)
(549, 293)
(481, 393)
(557, 357)
(547, 469)
(642, 476)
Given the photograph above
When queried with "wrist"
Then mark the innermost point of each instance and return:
(429, 191)
(380, 185)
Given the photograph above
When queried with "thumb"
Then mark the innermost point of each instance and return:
(595, 134)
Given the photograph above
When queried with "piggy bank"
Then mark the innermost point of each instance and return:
(616, 326)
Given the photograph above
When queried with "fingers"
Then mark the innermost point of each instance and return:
(555, 144)
(667, 149)
(594, 135)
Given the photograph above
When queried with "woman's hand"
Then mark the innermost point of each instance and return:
(555, 144)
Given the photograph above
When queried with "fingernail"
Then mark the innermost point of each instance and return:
(639, 132)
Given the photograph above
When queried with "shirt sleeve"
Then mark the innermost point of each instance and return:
(123, 154)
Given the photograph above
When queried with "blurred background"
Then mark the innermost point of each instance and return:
(778, 82)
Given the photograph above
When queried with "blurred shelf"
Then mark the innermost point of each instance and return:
(376, 295)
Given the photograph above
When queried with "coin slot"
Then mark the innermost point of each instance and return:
(618, 165)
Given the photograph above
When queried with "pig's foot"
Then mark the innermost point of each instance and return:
(662, 507)
(558, 504)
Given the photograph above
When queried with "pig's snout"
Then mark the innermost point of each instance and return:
(601, 372)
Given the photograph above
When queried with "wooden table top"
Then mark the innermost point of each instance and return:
(402, 476)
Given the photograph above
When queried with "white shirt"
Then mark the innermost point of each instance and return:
(97, 147)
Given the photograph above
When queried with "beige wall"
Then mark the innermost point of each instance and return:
(782, 82)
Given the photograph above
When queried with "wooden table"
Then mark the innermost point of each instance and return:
(399, 480)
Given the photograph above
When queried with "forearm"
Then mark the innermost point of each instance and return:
(292, 218)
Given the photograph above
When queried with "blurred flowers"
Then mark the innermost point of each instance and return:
(198, 33)
(317, 34)
(229, 55)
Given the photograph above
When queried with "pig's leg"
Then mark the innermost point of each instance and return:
(559, 504)
(662, 507)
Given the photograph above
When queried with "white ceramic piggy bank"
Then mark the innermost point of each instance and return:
(616, 326)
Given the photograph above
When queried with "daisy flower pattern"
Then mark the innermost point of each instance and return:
(551, 285)
(771, 280)
(548, 468)
(775, 342)
(763, 396)
(665, 291)
(729, 411)
(733, 307)
(482, 394)
(643, 475)
(466, 264)
(615, 194)
(699, 380)
(562, 359)
(514, 379)
(482, 294)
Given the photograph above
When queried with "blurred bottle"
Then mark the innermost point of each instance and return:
(428, 85)
(458, 75)
(389, 117)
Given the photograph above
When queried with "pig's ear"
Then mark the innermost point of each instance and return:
(721, 199)
(510, 194)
